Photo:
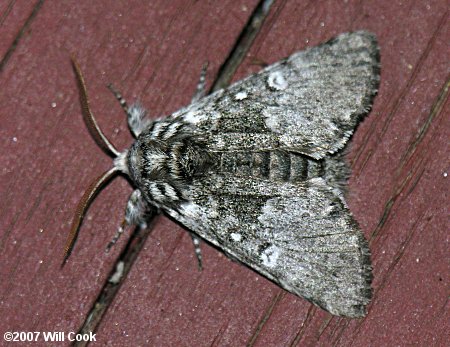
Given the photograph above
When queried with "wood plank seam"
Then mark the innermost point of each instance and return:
(137, 239)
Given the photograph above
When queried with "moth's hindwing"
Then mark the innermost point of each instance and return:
(273, 197)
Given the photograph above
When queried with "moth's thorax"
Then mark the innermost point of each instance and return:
(164, 159)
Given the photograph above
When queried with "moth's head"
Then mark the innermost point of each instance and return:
(120, 163)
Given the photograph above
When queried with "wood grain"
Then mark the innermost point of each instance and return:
(154, 52)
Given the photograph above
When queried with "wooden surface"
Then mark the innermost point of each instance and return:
(399, 189)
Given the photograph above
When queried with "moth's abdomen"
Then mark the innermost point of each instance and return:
(280, 166)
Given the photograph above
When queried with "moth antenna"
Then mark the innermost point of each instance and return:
(91, 123)
(82, 207)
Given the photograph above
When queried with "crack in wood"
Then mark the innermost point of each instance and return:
(401, 97)
(20, 34)
(436, 109)
(309, 317)
(108, 292)
(138, 237)
(277, 298)
(242, 46)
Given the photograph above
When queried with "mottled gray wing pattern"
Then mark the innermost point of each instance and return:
(293, 228)
(298, 235)
(309, 103)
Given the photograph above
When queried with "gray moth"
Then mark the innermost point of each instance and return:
(257, 170)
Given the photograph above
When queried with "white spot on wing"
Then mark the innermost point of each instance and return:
(241, 96)
(213, 208)
(190, 209)
(192, 214)
(236, 237)
(193, 117)
(277, 81)
(272, 122)
(270, 256)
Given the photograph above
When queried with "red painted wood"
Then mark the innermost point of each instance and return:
(154, 52)
(395, 157)
(399, 156)
(13, 17)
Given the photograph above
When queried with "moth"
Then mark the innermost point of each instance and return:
(258, 170)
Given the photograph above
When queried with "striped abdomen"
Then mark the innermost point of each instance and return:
(276, 165)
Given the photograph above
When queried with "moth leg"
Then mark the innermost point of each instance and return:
(136, 114)
(136, 213)
(200, 91)
(197, 249)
